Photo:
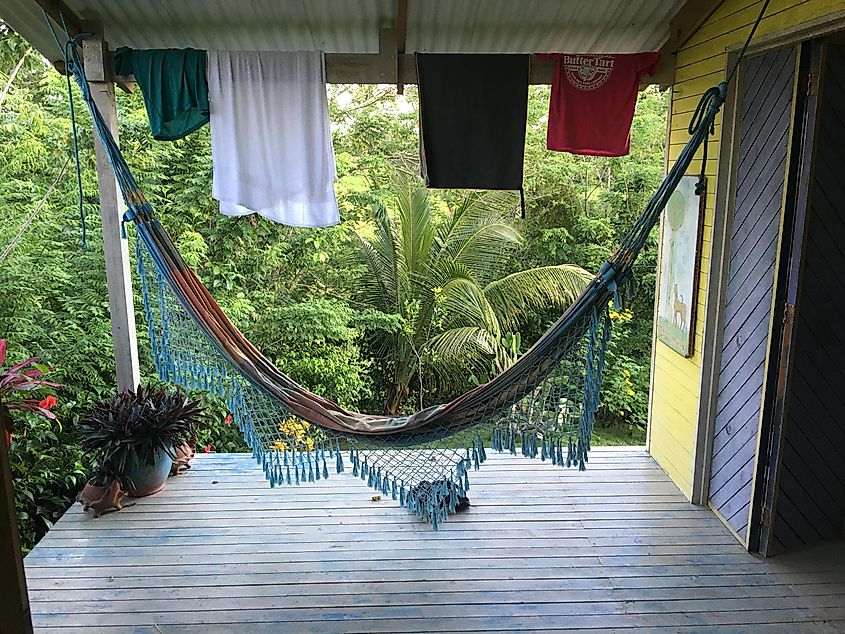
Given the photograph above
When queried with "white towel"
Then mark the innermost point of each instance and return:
(271, 143)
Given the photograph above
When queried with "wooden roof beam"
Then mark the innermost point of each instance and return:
(401, 36)
(60, 13)
(64, 17)
(379, 68)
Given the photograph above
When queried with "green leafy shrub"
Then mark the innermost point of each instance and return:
(48, 469)
(218, 431)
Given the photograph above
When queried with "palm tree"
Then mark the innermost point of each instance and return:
(443, 276)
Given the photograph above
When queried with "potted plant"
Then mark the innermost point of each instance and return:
(136, 434)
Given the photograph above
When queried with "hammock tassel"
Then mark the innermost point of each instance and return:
(482, 455)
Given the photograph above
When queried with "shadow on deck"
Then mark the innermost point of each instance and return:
(614, 548)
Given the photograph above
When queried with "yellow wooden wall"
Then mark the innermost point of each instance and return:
(700, 64)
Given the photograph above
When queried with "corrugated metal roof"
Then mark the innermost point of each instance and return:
(533, 26)
(351, 26)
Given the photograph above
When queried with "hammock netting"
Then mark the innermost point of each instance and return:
(543, 406)
(546, 411)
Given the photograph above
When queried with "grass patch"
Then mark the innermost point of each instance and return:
(615, 435)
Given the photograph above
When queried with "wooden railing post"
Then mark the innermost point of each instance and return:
(118, 275)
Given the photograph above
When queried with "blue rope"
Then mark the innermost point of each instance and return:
(74, 132)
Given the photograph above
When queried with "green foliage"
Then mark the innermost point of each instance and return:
(625, 389)
(442, 273)
(217, 432)
(317, 342)
(48, 469)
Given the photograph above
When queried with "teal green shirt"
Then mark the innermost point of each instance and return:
(174, 85)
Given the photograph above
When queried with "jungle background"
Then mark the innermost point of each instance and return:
(293, 291)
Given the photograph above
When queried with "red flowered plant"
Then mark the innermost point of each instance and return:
(25, 376)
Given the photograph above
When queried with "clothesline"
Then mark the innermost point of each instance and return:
(271, 140)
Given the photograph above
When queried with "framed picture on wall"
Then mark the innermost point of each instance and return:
(680, 246)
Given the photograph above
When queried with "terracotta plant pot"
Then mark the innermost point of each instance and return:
(101, 499)
(184, 454)
(144, 479)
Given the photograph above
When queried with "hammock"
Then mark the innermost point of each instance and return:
(545, 403)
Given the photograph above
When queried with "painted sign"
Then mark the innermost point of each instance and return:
(679, 261)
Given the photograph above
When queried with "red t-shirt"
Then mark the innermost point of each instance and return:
(593, 100)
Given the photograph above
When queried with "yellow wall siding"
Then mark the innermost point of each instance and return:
(676, 381)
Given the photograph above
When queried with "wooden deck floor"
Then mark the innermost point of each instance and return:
(615, 548)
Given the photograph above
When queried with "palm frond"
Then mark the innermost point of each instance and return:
(475, 210)
(525, 292)
(380, 286)
(376, 288)
(466, 305)
(416, 228)
(474, 213)
(484, 251)
(446, 270)
(453, 354)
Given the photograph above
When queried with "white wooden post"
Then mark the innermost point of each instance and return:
(118, 272)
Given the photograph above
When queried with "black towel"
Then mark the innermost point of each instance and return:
(472, 120)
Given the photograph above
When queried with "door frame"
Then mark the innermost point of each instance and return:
(782, 337)
(720, 255)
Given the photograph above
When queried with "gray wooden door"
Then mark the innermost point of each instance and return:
(766, 111)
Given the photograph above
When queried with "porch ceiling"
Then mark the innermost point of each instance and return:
(352, 26)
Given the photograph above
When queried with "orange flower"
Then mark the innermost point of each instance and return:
(228, 420)
(48, 403)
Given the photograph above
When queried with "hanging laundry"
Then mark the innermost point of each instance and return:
(593, 101)
(472, 120)
(174, 85)
(271, 143)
